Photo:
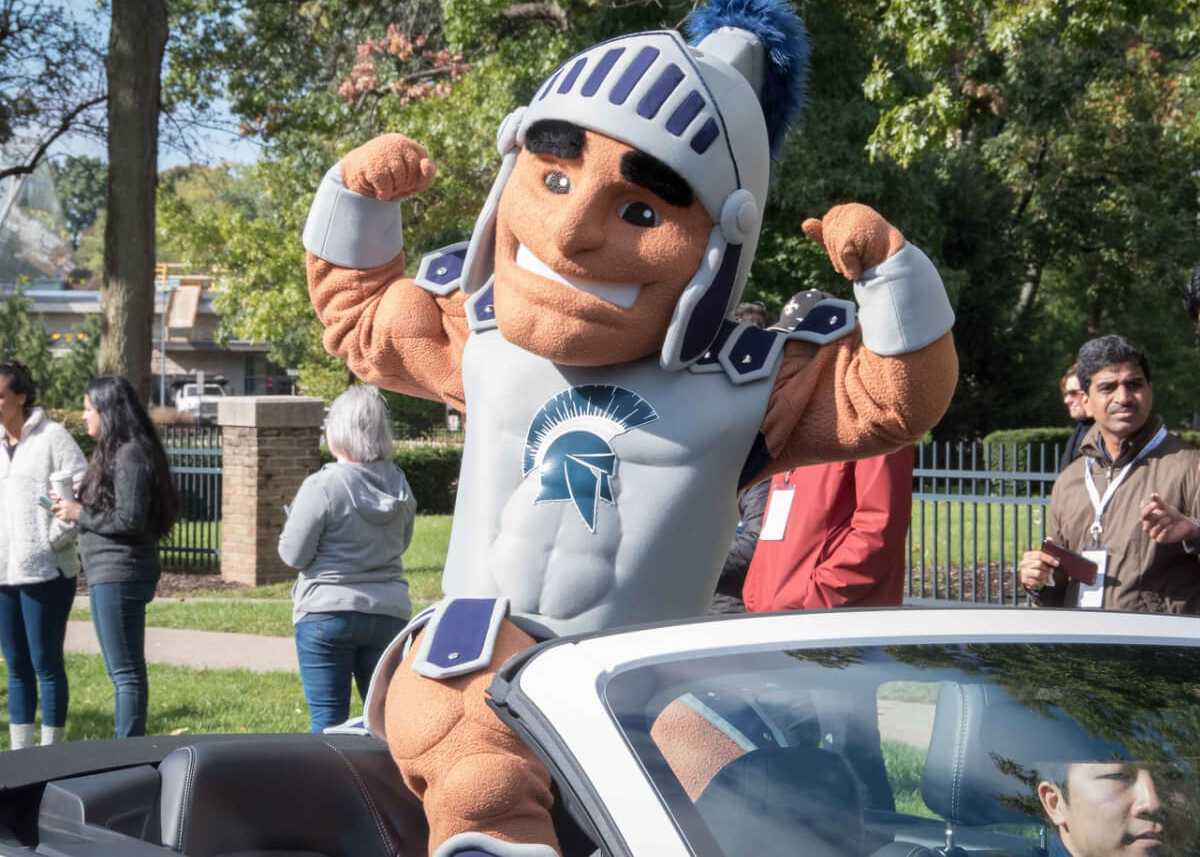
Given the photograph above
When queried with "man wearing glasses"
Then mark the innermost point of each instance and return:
(1075, 401)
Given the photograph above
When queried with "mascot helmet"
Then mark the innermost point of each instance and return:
(714, 112)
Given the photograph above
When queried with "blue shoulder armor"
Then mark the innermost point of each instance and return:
(816, 317)
(440, 272)
(742, 351)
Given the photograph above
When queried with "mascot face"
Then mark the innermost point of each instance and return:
(595, 241)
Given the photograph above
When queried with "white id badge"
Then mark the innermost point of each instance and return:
(777, 514)
(1093, 596)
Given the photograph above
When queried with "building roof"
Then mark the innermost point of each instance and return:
(60, 302)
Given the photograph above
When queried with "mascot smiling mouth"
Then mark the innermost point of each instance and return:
(623, 295)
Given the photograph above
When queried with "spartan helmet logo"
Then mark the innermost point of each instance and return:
(568, 444)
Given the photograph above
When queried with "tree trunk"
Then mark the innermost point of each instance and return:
(135, 52)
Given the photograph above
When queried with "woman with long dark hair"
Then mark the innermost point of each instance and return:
(127, 504)
(38, 560)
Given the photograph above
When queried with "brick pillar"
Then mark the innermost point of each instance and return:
(270, 444)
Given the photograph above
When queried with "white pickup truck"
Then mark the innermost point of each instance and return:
(201, 406)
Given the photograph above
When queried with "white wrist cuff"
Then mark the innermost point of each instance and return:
(481, 843)
(351, 230)
(902, 304)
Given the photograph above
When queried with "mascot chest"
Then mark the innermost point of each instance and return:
(563, 422)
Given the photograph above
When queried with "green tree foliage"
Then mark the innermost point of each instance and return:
(22, 335)
(61, 379)
(1044, 154)
(316, 79)
(70, 372)
(194, 202)
(81, 183)
(1064, 140)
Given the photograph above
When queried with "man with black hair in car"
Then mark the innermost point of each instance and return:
(1119, 503)
(1107, 809)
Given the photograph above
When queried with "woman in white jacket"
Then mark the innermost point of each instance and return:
(38, 558)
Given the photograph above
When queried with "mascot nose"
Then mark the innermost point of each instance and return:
(580, 228)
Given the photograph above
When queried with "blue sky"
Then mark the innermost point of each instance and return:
(213, 146)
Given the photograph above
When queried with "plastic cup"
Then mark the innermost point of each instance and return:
(63, 484)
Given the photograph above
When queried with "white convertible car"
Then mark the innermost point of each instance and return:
(860, 733)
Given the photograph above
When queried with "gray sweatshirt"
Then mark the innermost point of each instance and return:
(116, 544)
(345, 533)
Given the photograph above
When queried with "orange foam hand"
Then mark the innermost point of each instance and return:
(856, 237)
(389, 167)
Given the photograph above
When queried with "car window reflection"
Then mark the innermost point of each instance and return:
(1021, 749)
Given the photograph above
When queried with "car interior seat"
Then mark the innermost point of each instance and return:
(281, 798)
(984, 753)
(980, 735)
(785, 801)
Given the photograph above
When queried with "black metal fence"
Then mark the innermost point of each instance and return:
(195, 455)
(976, 509)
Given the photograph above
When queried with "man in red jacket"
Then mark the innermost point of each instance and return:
(833, 536)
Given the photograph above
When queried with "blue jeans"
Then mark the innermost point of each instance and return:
(119, 614)
(33, 625)
(333, 648)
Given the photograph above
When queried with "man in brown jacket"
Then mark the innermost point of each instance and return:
(1100, 501)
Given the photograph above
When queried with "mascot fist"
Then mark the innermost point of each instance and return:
(389, 167)
(856, 238)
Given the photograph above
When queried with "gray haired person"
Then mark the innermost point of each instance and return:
(345, 532)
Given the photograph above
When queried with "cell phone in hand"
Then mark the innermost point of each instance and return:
(1076, 566)
(45, 502)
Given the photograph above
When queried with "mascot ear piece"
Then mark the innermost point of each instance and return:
(702, 306)
(511, 135)
(706, 299)
(480, 261)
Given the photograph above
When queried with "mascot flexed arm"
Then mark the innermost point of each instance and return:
(612, 408)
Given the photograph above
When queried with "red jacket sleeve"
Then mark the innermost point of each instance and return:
(865, 563)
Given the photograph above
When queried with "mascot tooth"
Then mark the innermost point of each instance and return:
(613, 409)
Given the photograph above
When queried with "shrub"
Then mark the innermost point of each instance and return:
(1027, 450)
(1035, 436)
(1019, 445)
(432, 472)
(1029, 435)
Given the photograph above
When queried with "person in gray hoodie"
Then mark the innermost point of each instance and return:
(345, 532)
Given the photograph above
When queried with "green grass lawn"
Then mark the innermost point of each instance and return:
(949, 539)
(270, 618)
(904, 764)
(182, 701)
(268, 609)
(973, 532)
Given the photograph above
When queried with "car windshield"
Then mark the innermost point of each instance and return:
(1003, 748)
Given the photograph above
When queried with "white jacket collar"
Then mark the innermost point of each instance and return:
(33, 423)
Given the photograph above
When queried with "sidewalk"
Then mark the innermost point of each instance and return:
(199, 649)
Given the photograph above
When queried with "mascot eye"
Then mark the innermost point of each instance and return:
(639, 214)
(556, 182)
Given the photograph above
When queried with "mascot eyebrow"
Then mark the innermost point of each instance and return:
(565, 140)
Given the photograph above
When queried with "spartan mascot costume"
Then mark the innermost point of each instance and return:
(612, 409)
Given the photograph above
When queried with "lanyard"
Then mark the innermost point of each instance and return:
(1099, 504)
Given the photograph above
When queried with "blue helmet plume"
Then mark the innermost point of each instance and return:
(783, 35)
